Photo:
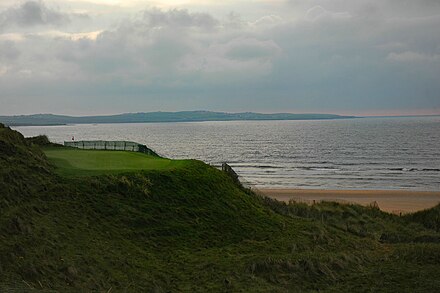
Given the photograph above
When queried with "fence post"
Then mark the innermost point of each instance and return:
(228, 169)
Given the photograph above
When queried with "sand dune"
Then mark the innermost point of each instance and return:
(393, 201)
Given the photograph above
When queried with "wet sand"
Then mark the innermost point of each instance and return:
(392, 201)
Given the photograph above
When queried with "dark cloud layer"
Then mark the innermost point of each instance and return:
(32, 13)
(326, 56)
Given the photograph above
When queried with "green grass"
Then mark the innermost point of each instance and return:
(77, 162)
(190, 228)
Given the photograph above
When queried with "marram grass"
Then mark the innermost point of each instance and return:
(186, 227)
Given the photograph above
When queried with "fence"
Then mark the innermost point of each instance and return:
(110, 145)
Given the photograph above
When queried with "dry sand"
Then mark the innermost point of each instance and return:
(393, 201)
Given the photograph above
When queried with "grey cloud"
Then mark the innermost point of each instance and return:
(31, 13)
(179, 18)
(169, 53)
(318, 13)
(352, 57)
(345, 61)
(268, 20)
(245, 49)
(8, 51)
(231, 60)
(409, 56)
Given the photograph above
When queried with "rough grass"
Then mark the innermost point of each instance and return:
(191, 229)
(77, 162)
(429, 218)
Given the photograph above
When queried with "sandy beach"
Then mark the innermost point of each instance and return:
(392, 201)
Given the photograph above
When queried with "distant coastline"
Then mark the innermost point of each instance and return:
(158, 117)
(42, 124)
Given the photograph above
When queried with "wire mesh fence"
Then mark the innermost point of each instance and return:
(110, 145)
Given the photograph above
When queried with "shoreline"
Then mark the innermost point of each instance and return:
(391, 201)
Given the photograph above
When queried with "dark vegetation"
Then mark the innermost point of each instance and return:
(192, 229)
(428, 218)
(184, 116)
(41, 140)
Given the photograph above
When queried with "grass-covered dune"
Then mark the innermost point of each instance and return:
(186, 227)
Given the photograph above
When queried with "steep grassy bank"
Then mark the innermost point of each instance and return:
(192, 229)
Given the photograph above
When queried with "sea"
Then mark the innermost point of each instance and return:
(361, 153)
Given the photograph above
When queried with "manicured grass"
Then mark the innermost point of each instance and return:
(77, 162)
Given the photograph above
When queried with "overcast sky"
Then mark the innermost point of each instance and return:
(324, 56)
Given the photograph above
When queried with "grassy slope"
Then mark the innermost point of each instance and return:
(75, 162)
(191, 229)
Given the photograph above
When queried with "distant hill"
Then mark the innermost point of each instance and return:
(184, 116)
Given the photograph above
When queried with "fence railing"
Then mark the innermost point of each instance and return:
(111, 145)
(228, 169)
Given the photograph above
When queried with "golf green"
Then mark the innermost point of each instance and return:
(77, 162)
